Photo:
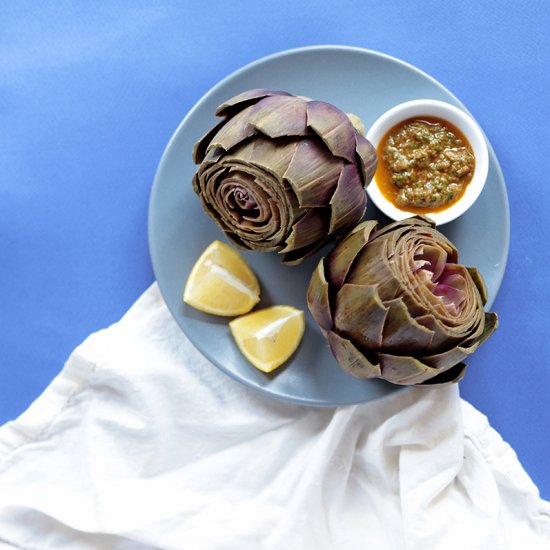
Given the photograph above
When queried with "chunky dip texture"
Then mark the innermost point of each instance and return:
(427, 164)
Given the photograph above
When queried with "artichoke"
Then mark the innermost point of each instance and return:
(283, 173)
(395, 304)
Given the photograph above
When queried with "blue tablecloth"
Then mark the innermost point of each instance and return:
(91, 92)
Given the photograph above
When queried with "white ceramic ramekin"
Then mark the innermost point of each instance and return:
(457, 117)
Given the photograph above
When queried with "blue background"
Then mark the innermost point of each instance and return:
(90, 93)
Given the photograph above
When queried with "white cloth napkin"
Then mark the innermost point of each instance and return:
(141, 443)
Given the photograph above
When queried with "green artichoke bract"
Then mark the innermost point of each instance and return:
(395, 304)
(283, 173)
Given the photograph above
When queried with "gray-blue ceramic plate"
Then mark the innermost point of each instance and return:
(366, 83)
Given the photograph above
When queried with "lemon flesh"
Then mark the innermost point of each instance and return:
(222, 283)
(268, 337)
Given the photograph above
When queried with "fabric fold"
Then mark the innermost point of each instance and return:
(140, 442)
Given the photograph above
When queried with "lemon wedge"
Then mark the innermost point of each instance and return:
(268, 337)
(222, 283)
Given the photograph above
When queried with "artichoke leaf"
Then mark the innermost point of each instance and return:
(202, 145)
(359, 315)
(429, 257)
(313, 174)
(270, 157)
(444, 337)
(407, 224)
(367, 157)
(479, 282)
(334, 127)
(447, 359)
(307, 229)
(485, 329)
(214, 155)
(376, 265)
(491, 324)
(318, 300)
(279, 116)
(350, 358)
(451, 376)
(235, 131)
(240, 101)
(343, 256)
(404, 370)
(294, 257)
(349, 200)
(401, 333)
(234, 239)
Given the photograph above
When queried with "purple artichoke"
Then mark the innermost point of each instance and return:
(283, 173)
(395, 304)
